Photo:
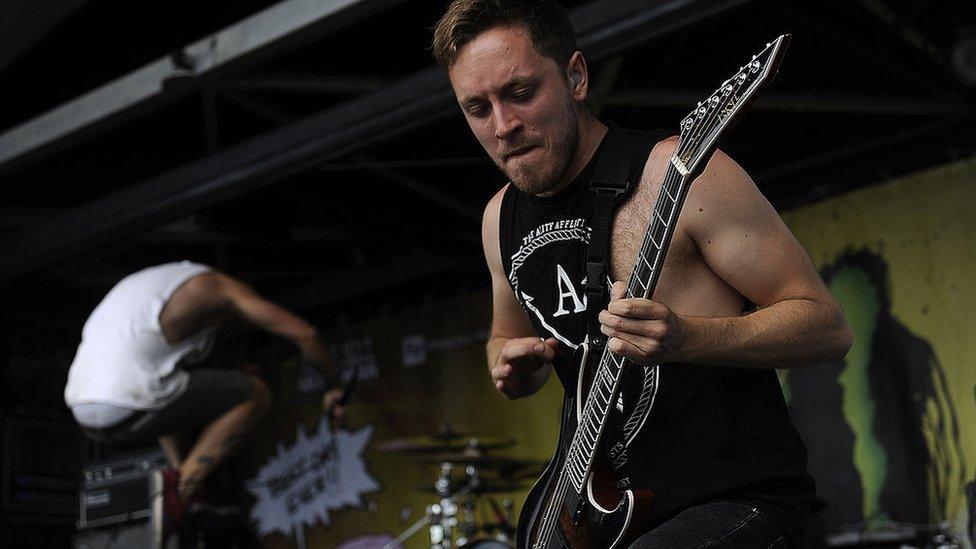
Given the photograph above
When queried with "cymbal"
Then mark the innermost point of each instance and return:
(485, 486)
(446, 440)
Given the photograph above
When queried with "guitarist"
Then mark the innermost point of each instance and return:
(718, 450)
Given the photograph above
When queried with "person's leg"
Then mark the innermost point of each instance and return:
(715, 525)
(225, 404)
(173, 447)
(221, 437)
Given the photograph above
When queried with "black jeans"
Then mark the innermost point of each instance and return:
(208, 395)
(717, 524)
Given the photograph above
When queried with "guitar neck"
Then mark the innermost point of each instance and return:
(643, 279)
(657, 237)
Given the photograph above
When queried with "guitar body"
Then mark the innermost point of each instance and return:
(609, 517)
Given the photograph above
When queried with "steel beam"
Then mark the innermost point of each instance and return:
(604, 28)
(283, 26)
(811, 161)
(800, 102)
(306, 84)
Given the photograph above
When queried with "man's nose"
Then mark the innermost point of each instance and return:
(507, 122)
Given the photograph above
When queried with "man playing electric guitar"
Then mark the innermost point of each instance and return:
(717, 448)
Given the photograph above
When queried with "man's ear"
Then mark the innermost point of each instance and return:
(578, 76)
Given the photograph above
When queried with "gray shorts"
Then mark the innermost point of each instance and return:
(208, 395)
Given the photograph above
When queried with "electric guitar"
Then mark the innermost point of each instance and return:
(576, 502)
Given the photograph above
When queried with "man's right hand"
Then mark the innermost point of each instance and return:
(522, 365)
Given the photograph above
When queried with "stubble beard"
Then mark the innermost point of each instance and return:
(538, 179)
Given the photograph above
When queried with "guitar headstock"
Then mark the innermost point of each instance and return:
(704, 126)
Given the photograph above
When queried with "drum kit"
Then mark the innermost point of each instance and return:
(466, 512)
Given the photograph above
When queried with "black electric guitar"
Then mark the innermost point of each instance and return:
(576, 502)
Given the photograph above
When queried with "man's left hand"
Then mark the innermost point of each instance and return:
(644, 331)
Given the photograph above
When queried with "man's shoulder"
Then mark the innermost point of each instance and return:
(662, 150)
(656, 163)
(494, 205)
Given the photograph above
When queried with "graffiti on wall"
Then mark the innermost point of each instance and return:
(881, 426)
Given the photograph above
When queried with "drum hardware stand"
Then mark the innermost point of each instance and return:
(440, 518)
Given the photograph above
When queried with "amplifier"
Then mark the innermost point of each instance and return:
(116, 490)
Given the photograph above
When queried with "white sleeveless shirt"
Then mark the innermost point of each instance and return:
(123, 358)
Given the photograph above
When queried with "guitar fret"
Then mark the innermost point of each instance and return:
(577, 468)
(650, 236)
(658, 232)
(643, 287)
(661, 219)
(588, 450)
(667, 191)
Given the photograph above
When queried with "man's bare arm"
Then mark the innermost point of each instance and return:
(744, 241)
(241, 300)
(518, 360)
(270, 317)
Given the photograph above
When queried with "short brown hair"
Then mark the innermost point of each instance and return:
(546, 21)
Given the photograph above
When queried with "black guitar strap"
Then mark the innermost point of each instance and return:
(617, 173)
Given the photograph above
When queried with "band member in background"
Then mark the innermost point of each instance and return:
(132, 379)
(725, 464)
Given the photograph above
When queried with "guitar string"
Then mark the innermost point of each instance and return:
(711, 121)
(572, 455)
(549, 517)
(551, 513)
(602, 371)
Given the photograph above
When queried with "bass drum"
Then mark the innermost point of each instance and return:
(487, 543)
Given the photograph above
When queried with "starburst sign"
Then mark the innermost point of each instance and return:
(301, 484)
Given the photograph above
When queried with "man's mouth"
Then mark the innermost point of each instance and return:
(517, 152)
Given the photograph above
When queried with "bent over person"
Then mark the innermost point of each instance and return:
(737, 297)
(132, 379)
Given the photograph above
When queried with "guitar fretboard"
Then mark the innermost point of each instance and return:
(643, 279)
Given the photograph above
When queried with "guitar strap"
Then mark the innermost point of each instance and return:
(617, 173)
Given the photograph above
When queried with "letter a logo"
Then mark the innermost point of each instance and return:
(566, 289)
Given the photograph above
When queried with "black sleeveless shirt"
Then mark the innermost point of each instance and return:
(696, 433)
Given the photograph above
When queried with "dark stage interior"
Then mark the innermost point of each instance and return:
(320, 156)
